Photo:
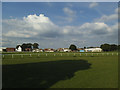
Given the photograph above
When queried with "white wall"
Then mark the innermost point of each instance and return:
(19, 49)
(93, 50)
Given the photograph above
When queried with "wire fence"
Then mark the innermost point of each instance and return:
(57, 54)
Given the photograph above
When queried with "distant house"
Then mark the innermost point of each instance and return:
(60, 50)
(37, 50)
(19, 49)
(28, 49)
(81, 50)
(2, 49)
(66, 50)
(49, 50)
(41, 50)
(10, 49)
(93, 50)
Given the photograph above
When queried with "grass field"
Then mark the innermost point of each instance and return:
(60, 70)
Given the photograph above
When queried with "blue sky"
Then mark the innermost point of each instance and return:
(55, 10)
(57, 25)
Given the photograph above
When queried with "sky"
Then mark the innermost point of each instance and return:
(57, 25)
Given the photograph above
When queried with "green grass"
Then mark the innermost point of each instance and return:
(66, 71)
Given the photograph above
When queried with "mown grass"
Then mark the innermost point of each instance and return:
(66, 71)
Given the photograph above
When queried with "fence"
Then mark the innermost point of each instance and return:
(56, 54)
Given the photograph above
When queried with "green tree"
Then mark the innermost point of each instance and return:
(105, 47)
(73, 47)
(35, 45)
(118, 47)
(24, 46)
(113, 47)
(29, 45)
(17, 46)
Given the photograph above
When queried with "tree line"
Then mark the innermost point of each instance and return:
(104, 47)
(110, 47)
(28, 45)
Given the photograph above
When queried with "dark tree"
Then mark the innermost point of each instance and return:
(28, 45)
(73, 47)
(105, 47)
(17, 46)
(118, 47)
(24, 46)
(113, 47)
(35, 46)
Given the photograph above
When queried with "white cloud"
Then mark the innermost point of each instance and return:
(69, 5)
(41, 27)
(88, 30)
(68, 11)
(117, 10)
(106, 18)
(93, 4)
(16, 34)
(30, 26)
(70, 14)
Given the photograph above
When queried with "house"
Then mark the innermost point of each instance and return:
(41, 50)
(66, 50)
(19, 49)
(10, 49)
(37, 50)
(2, 49)
(93, 50)
(28, 49)
(81, 50)
(60, 50)
(49, 50)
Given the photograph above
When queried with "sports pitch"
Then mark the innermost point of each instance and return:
(60, 70)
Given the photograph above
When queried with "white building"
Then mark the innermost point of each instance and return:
(19, 49)
(37, 50)
(66, 50)
(1, 48)
(49, 50)
(93, 50)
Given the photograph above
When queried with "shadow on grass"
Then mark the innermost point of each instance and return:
(41, 74)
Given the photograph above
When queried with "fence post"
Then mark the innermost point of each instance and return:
(3, 56)
(74, 54)
(112, 53)
(38, 55)
(21, 56)
(12, 55)
(102, 53)
(68, 54)
(92, 54)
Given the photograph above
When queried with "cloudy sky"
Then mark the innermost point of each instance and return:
(55, 25)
